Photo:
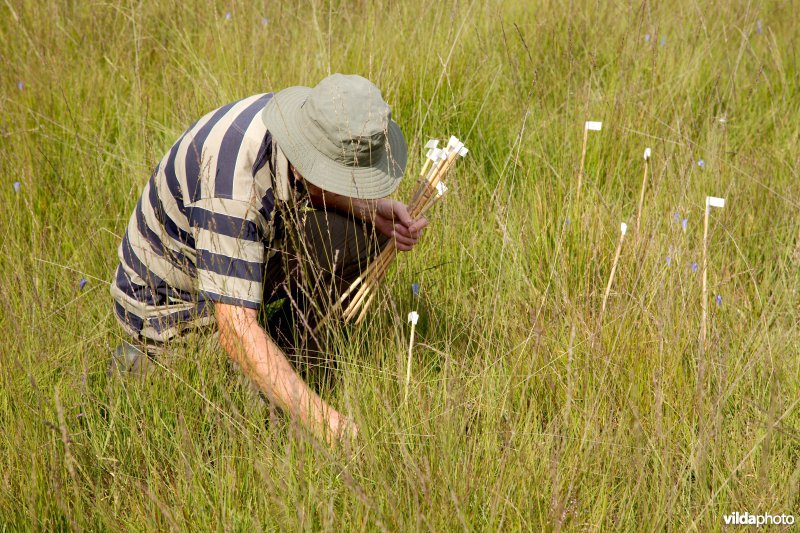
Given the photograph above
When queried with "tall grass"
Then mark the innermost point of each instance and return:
(527, 410)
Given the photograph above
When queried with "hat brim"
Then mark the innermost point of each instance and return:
(378, 180)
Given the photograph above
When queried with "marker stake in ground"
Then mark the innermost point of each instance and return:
(711, 201)
(623, 229)
(589, 125)
(644, 187)
(413, 317)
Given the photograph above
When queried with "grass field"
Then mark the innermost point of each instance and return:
(528, 409)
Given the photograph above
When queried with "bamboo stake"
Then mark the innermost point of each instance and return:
(623, 228)
(412, 317)
(364, 309)
(589, 125)
(644, 187)
(382, 265)
(711, 201)
(431, 145)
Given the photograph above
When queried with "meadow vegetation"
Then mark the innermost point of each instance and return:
(528, 410)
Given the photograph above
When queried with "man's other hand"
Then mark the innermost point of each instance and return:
(392, 219)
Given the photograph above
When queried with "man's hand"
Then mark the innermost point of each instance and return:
(343, 429)
(389, 217)
(392, 219)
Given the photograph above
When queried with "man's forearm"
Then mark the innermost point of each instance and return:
(249, 345)
(362, 209)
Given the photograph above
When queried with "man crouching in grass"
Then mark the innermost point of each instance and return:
(277, 199)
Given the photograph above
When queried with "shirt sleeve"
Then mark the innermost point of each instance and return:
(231, 256)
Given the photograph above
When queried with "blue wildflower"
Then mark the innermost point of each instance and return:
(415, 289)
(677, 217)
(20, 85)
(265, 21)
(759, 29)
(566, 222)
(82, 283)
(701, 164)
(647, 37)
(17, 186)
(718, 299)
(228, 15)
(669, 261)
(694, 266)
(685, 224)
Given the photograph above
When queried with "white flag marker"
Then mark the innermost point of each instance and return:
(623, 228)
(711, 201)
(441, 188)
(433, 143)
(644, 188)
(434, 154)
(413, 317)
(589, 125)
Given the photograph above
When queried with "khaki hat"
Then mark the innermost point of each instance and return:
(340, 136)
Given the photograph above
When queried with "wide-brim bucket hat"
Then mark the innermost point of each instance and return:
(340, 136)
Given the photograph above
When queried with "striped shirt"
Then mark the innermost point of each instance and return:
(202, 229)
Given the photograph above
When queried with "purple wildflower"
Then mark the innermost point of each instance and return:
(669, 261)
(265, 21)
(701, 164)
(228, 15)
(647, 37)
(415, 289)
(663, 41)
(759, 29)
(17, 186)
(718, 299)
(685, 224)
(20, 85)
(566, 222)
(677, 217)
(82, 283)
(694, 266)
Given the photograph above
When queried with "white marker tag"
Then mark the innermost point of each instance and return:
(452, 142)
(713, 201)
(434, 154)
(413, 317)
(463, 152)
(596, 126)
(623, 228)
(441, 188)
(433, 143)
(646, 154)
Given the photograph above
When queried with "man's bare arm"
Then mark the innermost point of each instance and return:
(265, 363)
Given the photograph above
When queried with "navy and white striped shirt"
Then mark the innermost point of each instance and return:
(202, 229)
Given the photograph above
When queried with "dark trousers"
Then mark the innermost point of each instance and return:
(308, 274)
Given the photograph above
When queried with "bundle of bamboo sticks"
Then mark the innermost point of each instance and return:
(430, 189)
